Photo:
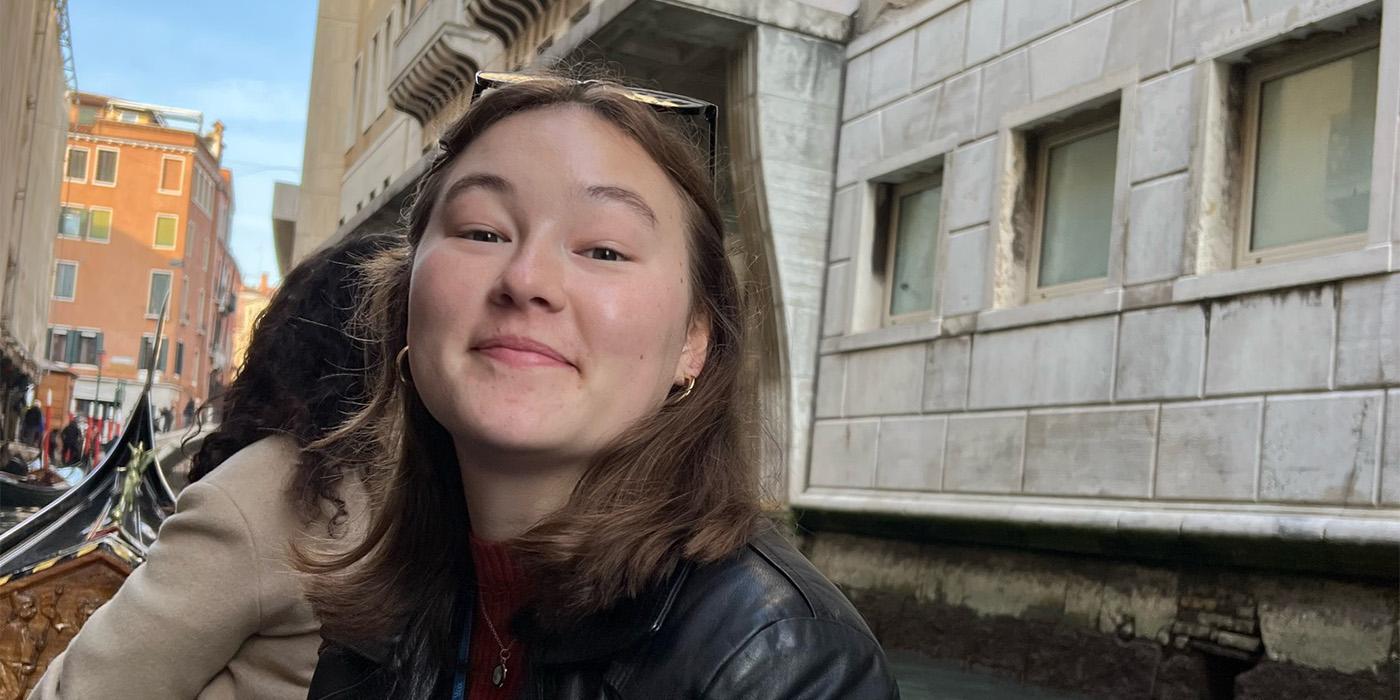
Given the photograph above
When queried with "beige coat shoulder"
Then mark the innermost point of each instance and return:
(217, 610)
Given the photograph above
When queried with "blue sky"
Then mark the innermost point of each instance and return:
(247, 63)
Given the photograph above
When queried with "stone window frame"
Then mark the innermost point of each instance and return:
(1015, 300)
(1318, 51)
(155, 231)
(891, 241)
(87, 226)
(67, 164)
(151, 288)
(97, 165)
(179, 180)
(1046, 140)
(870, 258)
(73, 293)
(1209, 270)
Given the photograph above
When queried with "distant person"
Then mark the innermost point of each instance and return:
(32, 425)
(189, 412)
(166, 416)
(72, 440)
(217, 611)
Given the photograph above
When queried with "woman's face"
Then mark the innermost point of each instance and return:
(549, 307)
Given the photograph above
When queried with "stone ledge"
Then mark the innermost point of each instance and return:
(1294, 273)
(1377, 526)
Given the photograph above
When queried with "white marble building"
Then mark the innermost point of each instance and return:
(1207, 190)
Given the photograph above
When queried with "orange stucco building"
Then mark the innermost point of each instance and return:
(145, 211)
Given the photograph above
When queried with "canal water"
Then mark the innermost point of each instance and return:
(921, 678)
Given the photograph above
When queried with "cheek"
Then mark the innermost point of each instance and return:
(639, 322)
(439, 297)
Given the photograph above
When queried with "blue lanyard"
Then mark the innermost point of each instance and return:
(459, 679)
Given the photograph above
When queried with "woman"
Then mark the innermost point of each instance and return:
(572, 510)
(217, 611)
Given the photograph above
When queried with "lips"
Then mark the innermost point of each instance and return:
(519, 351)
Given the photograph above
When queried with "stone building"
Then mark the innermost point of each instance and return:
(144, 214)
(32, 125)
(1085, 359)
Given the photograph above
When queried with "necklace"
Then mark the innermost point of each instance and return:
(498, 674)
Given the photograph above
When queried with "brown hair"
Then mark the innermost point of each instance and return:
(680, 484)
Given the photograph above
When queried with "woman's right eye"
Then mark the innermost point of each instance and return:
(483, 236)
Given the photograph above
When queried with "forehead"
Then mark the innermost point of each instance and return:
(567, 147)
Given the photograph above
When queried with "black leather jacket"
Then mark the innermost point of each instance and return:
(763, 624)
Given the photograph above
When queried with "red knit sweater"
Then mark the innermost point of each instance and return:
(502, 591)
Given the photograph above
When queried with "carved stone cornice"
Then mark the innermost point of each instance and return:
(436, 57)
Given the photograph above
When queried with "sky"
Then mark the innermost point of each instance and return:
(245, 63)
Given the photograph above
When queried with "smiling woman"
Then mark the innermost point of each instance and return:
(571, 511)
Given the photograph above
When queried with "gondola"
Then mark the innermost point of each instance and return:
(17, 492)
(58, 565)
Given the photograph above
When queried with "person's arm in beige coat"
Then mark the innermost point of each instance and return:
(180, 617)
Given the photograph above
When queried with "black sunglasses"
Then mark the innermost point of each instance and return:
(660, 101)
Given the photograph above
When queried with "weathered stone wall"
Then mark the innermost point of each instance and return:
(1188, 395)
(1117, 628)
(1183, 387)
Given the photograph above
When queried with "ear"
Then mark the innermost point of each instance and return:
(696, 348)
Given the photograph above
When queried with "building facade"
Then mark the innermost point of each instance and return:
(33, 119)
(1085, 339)
(252, 301)
(143, 216)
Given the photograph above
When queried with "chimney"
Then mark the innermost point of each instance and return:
(216, 140)
(263, 289)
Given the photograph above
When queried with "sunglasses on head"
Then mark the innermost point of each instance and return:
(666, 102)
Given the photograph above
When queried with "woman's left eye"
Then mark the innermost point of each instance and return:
(605, 254)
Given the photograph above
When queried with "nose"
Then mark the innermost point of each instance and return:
(532, 278)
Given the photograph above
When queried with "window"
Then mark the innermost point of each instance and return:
(159, 289)
(99, 225)
(144, 359)
(128, 116)
(353, 122)
(76, 170)
(208, 246)
(179, 357)
(57, 348)
(167, 227)
(203, 190)
(912, 249)
(1075, 208)
(65, 280)
(1309, 122)
(71, 221)
(172, 175)
(184, 299)
(88, 347)
(201, 311)
(106, 172)
(87, 115)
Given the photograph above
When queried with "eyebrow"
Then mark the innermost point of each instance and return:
(501, 185)
(625, 197)
(494, 183)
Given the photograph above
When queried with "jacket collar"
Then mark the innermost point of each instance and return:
(606, 633)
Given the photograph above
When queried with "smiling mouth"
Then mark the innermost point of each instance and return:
(515, 351)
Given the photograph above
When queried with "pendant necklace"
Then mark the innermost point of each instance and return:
(498, 674)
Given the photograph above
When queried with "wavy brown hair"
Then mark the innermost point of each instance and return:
(679, 485)
(301, 375)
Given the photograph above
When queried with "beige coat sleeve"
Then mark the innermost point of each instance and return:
(178, 619)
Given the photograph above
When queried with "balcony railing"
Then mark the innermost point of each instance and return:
(434, 60)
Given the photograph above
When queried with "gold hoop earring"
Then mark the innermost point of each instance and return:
(689, 386)
(398, 364)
